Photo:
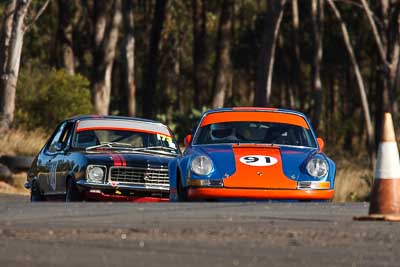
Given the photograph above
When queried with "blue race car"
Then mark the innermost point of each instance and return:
(252, 153)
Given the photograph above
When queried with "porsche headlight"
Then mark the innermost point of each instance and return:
(95, 173)
(201, 165)
(317, 167)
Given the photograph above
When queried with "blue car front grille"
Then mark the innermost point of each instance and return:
(139, 175)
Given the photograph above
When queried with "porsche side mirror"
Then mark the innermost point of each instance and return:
(321, 143)
(188, 140)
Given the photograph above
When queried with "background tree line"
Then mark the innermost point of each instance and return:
(337, 61)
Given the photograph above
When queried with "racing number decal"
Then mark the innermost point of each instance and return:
(258, 160)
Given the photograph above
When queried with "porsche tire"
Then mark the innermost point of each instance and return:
(36, 195)
(72, 194)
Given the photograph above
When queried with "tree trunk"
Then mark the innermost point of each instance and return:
(388, 45)
(174, 84)
(129, 58)
(397, 78)
(5, 36)
(267, 55)
(150, 80)
(10, 76)
(100, 22)
(97, 82)
(333, 111)
(349, 108)
(105, 39)
(360, 82)
(301, 94)
(317, 12)
(200, 79)
(393, 54)
(223, 61)
(382, 99)
(65, 28)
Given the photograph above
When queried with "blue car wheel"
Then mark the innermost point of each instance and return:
(182, 192)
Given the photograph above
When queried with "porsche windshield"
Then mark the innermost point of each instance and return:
(123, 139)
(255, 132)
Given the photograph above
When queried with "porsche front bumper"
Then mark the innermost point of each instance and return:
(197, 193)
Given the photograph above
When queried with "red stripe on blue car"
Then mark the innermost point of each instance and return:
(117, 160)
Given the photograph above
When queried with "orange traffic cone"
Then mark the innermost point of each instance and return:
(385, 196)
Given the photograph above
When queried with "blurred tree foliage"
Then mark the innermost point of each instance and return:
(46, 94)
(57, 96)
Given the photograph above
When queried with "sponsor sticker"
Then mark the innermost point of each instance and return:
(167, 139)
(258, 160)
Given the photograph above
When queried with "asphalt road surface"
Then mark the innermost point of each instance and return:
(193, 234)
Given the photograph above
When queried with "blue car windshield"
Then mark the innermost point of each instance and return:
(120, 138)
(255, 132)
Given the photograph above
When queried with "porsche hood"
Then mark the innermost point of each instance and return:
(257, 166)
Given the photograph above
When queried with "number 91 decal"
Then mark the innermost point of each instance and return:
(257, 160)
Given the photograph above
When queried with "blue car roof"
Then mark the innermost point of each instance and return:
(85, 117)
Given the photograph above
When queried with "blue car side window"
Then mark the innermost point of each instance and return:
(52, 145)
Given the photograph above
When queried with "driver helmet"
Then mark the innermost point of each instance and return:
(222, 131)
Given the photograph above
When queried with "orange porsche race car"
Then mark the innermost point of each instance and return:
(252, 153)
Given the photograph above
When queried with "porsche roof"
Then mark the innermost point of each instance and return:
(254, 114)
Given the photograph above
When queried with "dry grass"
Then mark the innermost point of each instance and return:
(14, 184)
(18, 180)
(22, 142)
(9, 189)
(353, 181)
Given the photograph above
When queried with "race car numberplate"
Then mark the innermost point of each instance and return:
(258, 160)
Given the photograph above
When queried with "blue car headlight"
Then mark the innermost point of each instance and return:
(317, 167)
(95, 173)
(201, 165)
